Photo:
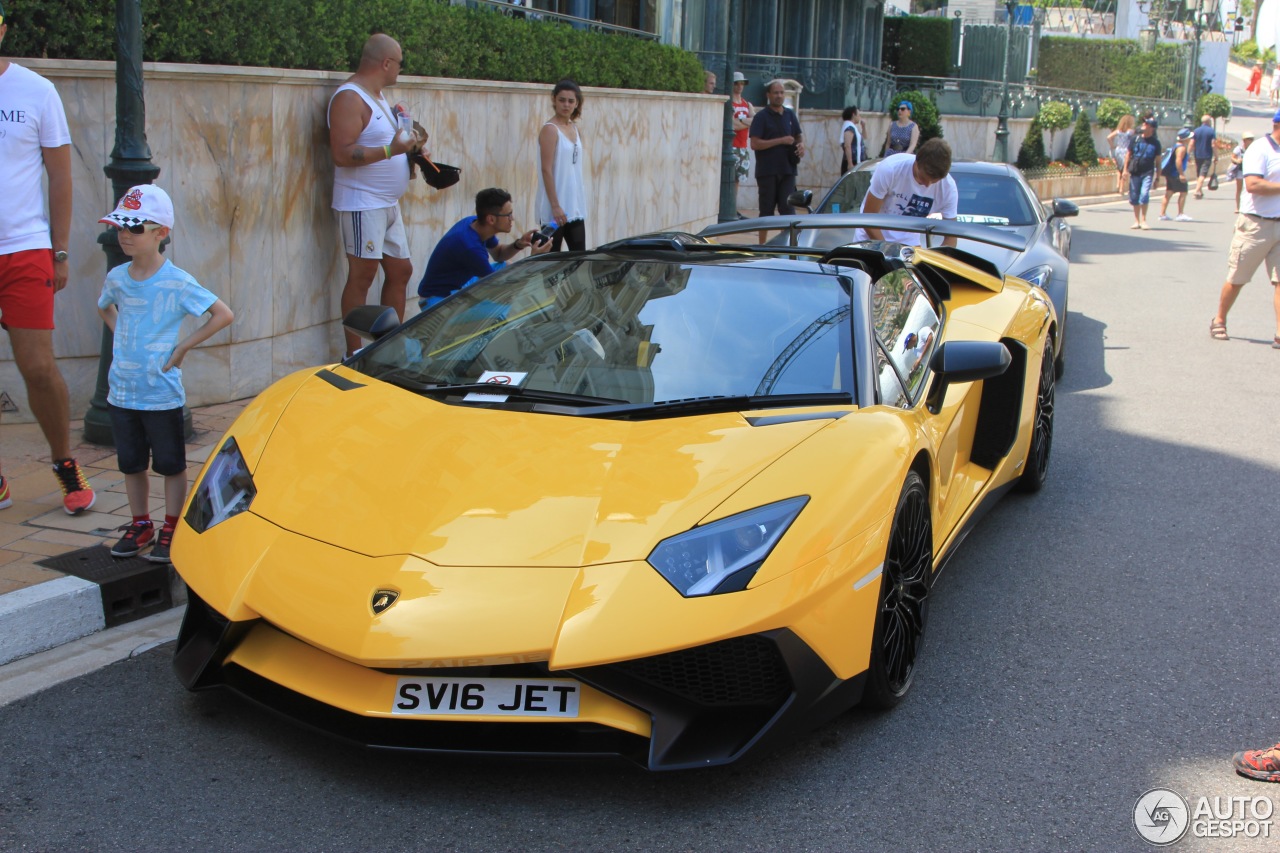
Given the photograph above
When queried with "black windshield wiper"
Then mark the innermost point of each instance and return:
(538, 394)
(724, 403)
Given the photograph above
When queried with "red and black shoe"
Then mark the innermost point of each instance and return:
(160, 551)
(1260, 764)
(137, 536)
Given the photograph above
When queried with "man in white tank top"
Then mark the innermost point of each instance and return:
(371, 173)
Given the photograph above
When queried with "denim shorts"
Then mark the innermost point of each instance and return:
(1140, 188)
(143, 436)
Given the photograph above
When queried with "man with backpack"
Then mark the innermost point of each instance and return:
(1174, 169)
(1144, 153)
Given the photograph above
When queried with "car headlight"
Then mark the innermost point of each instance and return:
(723, 556)
(1039, 276)
(225, 490)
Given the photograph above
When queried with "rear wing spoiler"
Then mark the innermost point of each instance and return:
(940, 228)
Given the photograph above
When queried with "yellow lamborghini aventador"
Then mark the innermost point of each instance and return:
(673, 499)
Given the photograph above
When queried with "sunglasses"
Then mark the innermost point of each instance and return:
(142, 228)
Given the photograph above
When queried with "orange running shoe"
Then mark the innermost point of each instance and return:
(76, 494)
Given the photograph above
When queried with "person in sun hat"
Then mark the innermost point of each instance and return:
(1175, 176)
(144, 302)
(35, 144)
(1257, 234)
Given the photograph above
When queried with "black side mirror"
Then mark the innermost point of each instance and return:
(1063, 208)
(371, 321)
(964, 361)
(801, 198)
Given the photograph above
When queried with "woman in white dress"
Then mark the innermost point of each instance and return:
(562, 200)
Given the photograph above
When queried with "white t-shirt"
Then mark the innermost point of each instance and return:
(378, 184)
(31, 119)
(1262, 158)
(895, 182)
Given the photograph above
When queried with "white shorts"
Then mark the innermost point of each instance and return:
(374, 233)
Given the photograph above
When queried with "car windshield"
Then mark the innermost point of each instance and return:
(993, 200)
(986, 199)
(632, 331)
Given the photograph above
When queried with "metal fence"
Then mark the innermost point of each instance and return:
(545, 10)
(982, 98)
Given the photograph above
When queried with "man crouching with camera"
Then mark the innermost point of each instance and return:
(464, 253)
(775, 137)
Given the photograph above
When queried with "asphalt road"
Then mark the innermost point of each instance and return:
(1113, 634)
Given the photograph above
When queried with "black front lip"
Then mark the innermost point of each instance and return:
(772, 686)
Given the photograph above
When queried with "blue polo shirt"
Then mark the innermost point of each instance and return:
(459, 257)
(1204, 136)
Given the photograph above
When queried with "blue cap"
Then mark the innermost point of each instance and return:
(1275, 119)
(907, 104)
(1185, 133)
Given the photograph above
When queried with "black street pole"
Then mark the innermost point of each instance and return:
(1001, 153)
(130, 165)
(729, 162)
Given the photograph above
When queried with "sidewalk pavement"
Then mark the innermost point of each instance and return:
(41, 608)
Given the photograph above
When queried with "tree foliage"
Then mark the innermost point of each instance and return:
(1110, 111)
(1212, 105)
(439, 40)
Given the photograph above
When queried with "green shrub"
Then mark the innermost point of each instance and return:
(439, 40)
(1247, 49)
(916, 46)
(1081, 148)
(1031, 154)
(1212, 105)
(923, 112)
(1110, 111)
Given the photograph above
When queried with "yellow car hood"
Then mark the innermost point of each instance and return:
(382, 471)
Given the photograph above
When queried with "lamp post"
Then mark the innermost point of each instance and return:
(728, 162)
(1191, 85)
(1001, 153)
(130, 165)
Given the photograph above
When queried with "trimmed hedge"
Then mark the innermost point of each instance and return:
(1032, 154)
(1110, 111)
(1081, 148)
(1118, 66)
(439, 40)
(916, 47)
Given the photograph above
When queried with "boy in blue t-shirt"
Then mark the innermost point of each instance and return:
(143, 302)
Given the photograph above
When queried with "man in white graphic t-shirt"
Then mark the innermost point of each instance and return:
(917, 184)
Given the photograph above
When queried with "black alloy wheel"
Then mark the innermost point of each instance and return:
(1036, 471)
(904, 592)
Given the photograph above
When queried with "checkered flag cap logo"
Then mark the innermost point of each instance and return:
(143, 203)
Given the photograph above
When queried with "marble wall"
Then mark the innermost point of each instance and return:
(244, 153)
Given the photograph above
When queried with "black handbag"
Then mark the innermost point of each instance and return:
(438, 175)
(1213, 181)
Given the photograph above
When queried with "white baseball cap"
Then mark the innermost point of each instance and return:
(143, 203)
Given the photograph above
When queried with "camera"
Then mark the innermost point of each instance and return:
(546, 233)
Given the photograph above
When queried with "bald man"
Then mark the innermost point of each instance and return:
(371, 173)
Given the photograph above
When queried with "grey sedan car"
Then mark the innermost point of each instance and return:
(993, 194)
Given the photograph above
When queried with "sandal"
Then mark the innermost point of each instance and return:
(1218, 331)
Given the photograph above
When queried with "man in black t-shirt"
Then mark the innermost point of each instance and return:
(775, 137)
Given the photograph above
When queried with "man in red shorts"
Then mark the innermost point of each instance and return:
(34, 140)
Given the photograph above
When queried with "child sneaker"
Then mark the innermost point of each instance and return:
(5, 500)
(137, 536)
(1260, 764)
(160, 551)
(76, 494)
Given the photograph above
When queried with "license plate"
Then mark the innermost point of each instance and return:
(510, 697)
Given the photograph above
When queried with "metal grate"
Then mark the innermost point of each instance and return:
(131, 588)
